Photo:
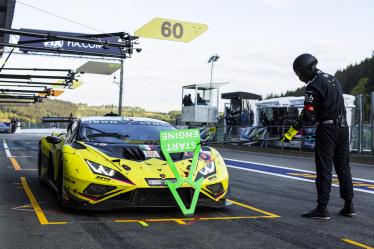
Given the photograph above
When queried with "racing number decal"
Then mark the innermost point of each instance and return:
(168, 29)
(172, 30)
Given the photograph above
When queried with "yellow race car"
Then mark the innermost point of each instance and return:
(115, 162)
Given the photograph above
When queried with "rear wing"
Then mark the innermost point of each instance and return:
(57, 119)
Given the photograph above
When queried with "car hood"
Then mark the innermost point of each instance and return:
(138, 152)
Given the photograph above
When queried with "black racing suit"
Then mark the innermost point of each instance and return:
(324, 104)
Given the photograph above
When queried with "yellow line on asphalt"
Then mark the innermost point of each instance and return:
(15, 164)
(38, 211)
(143, 223)
(56, 223)
(348, 241)
(254, 209)
(239, 217)
(182, 221)
(23, 206)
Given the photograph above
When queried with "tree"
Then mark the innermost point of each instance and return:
(360, 87)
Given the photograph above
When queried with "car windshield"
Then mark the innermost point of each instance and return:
(117, 131)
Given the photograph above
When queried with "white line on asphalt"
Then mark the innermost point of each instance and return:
(5, 144)
(7, 152)
(269, 165)
(282, 167)
(270, 173)
(294, 178)
(277, 155)
(264, 153)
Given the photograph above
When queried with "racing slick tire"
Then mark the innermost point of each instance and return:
(40, 177)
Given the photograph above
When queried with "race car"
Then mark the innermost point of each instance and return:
(113, 162)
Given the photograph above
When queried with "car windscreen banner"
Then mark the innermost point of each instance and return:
(176, 141)
(68, 45)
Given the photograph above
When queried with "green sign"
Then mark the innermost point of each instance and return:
(179, 140)
(182, 141)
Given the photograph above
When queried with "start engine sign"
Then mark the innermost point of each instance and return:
(179, 140)
(182, 141)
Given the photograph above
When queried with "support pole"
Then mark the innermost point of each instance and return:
(211, 73)
(360, 122)
(120, 90)
(372, 122)
(210, 93)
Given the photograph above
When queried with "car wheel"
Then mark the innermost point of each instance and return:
(40, 176)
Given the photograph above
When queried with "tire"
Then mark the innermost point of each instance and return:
(40, 177)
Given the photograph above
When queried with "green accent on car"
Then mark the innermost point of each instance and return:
(175, 141)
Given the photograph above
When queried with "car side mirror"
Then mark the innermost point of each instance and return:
(53, 140)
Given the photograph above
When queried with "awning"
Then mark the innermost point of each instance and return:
(205, 86)
(242, 95)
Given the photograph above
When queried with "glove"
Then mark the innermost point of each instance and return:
(287, 137)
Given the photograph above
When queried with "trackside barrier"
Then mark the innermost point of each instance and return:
(268, 136)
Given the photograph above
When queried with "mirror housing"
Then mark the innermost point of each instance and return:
(53, 140)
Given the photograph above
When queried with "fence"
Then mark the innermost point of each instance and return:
(269, 136)
(361, 129)
(28, 125)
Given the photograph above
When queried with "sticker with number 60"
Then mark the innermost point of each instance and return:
(173, 30)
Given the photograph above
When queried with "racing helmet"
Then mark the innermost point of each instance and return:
(305, 67)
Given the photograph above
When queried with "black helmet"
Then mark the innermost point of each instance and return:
(305, 67)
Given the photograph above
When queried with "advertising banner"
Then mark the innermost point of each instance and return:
(68, 45)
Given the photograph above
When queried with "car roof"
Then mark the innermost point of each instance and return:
(118, 118)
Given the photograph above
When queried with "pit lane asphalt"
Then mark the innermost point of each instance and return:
(287, 198)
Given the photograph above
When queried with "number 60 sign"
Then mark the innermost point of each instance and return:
(173, 30)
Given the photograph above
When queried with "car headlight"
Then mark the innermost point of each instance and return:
(208, 169)
(100, 169)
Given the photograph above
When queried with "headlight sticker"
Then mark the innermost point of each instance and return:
(208, 169)
(100, 169)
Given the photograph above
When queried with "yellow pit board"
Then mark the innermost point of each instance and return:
(172, 30)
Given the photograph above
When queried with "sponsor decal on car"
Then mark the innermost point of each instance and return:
(151, 154)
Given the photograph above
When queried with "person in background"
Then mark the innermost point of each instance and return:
(200, 100)
(189, 100)
(185, 100)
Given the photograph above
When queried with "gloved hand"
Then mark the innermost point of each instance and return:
(287, 137)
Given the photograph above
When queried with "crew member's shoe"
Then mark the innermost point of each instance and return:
(318, 213)
(348, 209)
